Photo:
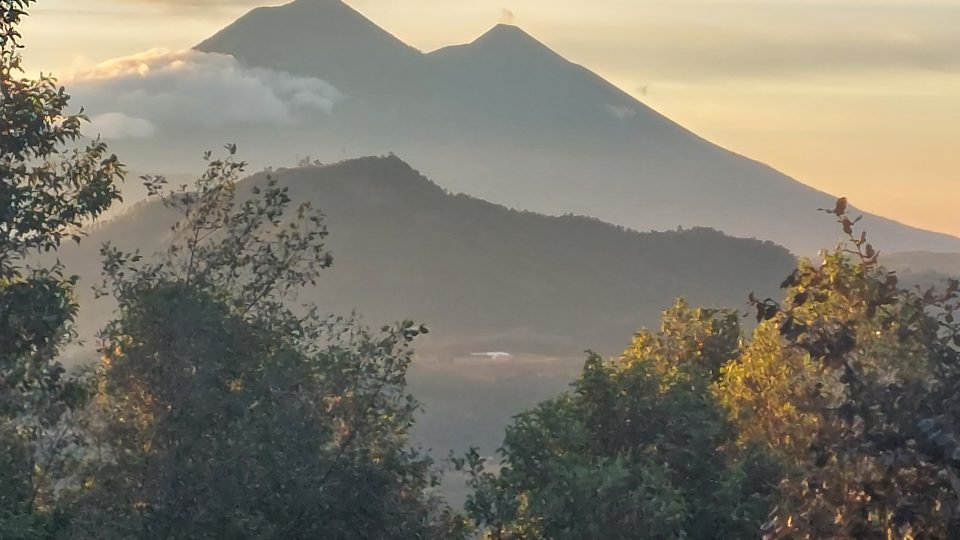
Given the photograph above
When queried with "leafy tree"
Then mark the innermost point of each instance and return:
(840, 415)
(224, 412)
(852, 383)
(639, 448)
(50, 186)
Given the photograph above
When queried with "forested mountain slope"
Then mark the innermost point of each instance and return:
(484, 277)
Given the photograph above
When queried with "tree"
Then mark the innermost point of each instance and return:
(225, 412)
(50, 186)
(839, 415)
(852, 383)
(639, 449)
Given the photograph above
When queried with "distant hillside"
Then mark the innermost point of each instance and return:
(923, 268)
(924, 261)
(481, 276)
(508, 120)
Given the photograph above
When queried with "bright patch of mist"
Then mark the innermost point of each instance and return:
(117, 125)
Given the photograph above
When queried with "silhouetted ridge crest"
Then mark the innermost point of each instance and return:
(508, 33)
(513, 42)
(318, 3)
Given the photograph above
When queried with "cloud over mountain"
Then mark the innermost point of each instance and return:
(158, 90)
(117, 125)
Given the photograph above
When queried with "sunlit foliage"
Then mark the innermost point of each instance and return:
(639, 448)
(852, 383)
(837, 416)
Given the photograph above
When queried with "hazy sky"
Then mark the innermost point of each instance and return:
(856, 97)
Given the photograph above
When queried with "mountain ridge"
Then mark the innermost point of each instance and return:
(508, 120)
(482, 276)
(319, 27)
(509, 35)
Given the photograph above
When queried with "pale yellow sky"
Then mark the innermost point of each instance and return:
(856, 97)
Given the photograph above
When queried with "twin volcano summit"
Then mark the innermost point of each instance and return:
(506, 119)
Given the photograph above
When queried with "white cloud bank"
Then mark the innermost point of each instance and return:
(159, 90)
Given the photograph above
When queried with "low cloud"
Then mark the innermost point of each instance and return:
(120, 126)
(155, 91)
